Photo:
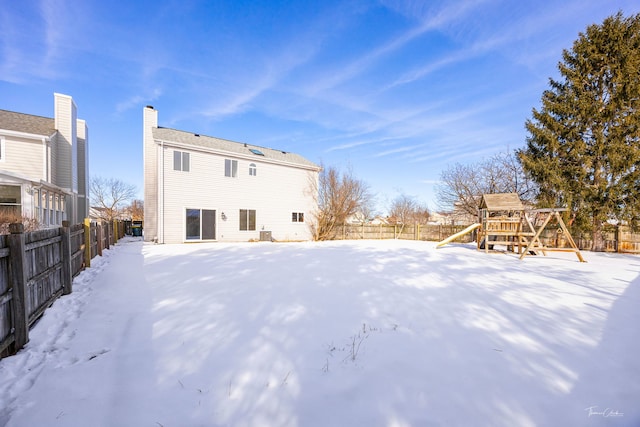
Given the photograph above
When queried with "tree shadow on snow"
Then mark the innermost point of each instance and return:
(366, 333)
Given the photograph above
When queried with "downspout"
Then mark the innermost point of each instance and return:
(45, 160)
(162, 179)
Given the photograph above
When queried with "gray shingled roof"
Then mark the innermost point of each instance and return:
(27, 123)
(181, 137)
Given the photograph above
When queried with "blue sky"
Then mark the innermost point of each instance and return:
(395, 90)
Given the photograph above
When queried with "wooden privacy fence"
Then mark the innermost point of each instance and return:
(38, 267)
(406, 232)
(617, 238)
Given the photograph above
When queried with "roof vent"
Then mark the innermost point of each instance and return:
(196, 134)
(150, 107)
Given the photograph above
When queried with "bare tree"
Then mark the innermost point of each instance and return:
(108, 196)
(339, 196)
(462, 186)
(406, 209)
(513, 178)
(135, 210)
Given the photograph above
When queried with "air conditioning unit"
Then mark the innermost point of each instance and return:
(265, 236)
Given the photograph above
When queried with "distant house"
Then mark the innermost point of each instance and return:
(380, 220)
(357, 218)
(44, 166)
(201, 188)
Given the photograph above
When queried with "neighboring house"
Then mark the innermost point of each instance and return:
(44, 165)
(442, 218)
(200, 188)
(380, 220)
(457, 217)
(357, 218)
(97, 213)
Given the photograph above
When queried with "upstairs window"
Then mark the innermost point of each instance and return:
(230, 168)
(297, 217)
(253, 169)
(180, 161)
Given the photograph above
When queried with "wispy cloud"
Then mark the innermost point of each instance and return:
(54, 27)
(20, 53)
(449, 124)
(459, 56)
(430, 181)
(435, 13)
(505, 38)
(399, 150)
(264, 78)
(136, 100)
(276, 65)
(38, 40)
(427, 23)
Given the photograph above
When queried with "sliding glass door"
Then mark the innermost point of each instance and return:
(200, 224)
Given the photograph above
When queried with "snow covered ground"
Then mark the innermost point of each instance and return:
(355, 333)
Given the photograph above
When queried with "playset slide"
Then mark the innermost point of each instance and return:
(469, 229)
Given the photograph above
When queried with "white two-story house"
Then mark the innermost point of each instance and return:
(44, 165)
(200, 188)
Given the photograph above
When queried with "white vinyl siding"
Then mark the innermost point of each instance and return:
(278, 191)
(152, 195)
(58, 157)
(25, 157)
(83, 170)
(67, 160)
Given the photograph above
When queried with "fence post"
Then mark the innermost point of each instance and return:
(67, 275)
(115, 231)
(99, 238)
(105, 235)
(87, 243)
(18, 269)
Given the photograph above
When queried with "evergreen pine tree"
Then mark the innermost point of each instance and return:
(583, 147)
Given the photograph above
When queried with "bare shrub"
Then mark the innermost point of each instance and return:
(30, 224)
(339, 196)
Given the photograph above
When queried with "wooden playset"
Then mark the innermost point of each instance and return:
(504, 221)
